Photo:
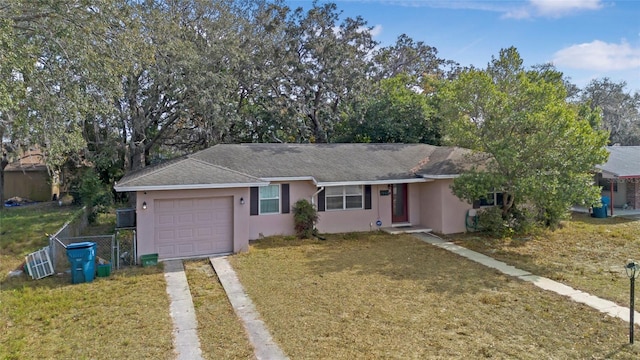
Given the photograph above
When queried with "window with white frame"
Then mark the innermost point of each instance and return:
(344, 197)
(492, 199)
(270, 199)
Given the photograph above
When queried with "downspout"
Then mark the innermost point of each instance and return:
(315, 231)
(314, 195)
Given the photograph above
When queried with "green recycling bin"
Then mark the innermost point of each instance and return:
(82, 257)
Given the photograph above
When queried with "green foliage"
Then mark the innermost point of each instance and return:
(542, 149)
(94, 194)
(519, 221)
(304, 217)
(620, 110)
(525, 221)
(490, 220)
(396, 113)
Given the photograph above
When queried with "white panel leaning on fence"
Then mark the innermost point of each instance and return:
(38, 264)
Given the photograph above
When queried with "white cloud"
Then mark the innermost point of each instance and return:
(552, 8)
(376, 30)
(509, 9)
(599, 56)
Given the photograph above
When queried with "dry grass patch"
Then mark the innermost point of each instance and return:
(373, 296)
(221, 333)
(120, 317)
(585, 253)
(109, 318)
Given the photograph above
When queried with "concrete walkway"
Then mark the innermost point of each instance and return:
(185, 325)
(605, 306)
(259, 336)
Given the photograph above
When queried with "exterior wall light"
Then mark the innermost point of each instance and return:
(241, 201)
(144, 205)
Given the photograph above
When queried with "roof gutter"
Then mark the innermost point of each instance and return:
(611, 175)
(373, 182)
(440, 177)
(186, 187)
(290, 178)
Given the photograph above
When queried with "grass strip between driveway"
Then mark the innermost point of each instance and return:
(221, 333)
(366, 296)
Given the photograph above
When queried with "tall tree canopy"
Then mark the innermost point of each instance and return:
(57, 69)
(123, 83)
(542, 150)
(395, 112)
(619, 109)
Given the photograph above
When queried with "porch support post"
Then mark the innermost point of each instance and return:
(611, 197)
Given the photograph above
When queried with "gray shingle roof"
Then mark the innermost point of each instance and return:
(325, 163)
(185, 172)
(624, 161)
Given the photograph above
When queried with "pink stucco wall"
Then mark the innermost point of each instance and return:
(337, 221)
(431, 204)
(440, 209)
(145, 217)
(329, 221)
(280, 224)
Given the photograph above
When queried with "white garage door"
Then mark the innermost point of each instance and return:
(193, 227)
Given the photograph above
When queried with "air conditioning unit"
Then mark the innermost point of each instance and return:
(125, 218)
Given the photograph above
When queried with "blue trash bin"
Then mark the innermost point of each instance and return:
(599, 212)
(605, 204)
(82, 257)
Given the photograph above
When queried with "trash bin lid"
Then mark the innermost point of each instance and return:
(80, 245)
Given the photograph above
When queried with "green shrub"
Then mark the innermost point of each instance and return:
(525, 220)
(522, 220)
(304, 217)
(94, 194)
(490, 220)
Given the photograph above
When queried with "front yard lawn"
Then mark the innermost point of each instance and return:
(586, 253)
(373, 296)
(123, 316)
(353, 296)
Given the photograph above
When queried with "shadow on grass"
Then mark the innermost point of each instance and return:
(588, 219)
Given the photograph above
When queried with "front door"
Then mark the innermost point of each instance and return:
(400, 213)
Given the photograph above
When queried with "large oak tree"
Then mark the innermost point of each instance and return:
(542, 149)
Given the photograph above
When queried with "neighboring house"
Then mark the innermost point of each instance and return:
(620, 176)
(216, 200)
(28, 178)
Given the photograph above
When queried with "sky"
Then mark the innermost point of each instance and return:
(584, 39)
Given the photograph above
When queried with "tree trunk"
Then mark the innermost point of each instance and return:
(318, 129)
(137, 158)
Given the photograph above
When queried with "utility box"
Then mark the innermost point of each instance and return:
(125, 218)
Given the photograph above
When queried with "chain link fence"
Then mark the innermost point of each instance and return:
(105, 250)
(125, 247)
(118, 249)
